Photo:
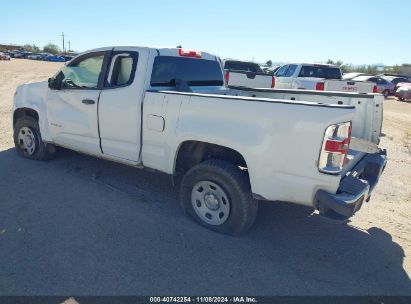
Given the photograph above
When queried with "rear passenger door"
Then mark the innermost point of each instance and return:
(120, 105)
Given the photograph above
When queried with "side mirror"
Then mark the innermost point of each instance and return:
(56, 82)
(53, 83)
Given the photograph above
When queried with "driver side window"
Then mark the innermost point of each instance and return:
(83, 74)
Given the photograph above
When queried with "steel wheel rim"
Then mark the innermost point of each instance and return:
(210, 202)
(27, 141)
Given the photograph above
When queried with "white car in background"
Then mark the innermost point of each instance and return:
(349, 76)
(34, 56)
(320, 77)
(246, 74)
(403, 91)
(4, 56)
(384, 87)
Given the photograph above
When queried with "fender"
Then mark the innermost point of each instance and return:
(33, 96)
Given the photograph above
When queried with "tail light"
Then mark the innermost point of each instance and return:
(227, 77)
(319, 86)
(184, 53)
(375, 89)
(335, 148)
(272, 82)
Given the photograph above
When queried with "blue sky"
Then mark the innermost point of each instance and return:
(358, 32)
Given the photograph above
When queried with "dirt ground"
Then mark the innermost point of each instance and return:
(79, 225)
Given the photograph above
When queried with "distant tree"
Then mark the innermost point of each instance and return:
(344, 68)
(51, 48)
(31, 48)
(269, 63)
(396, 69)
(338, 62)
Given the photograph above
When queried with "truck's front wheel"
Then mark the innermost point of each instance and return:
(217, 194)
(28, 142)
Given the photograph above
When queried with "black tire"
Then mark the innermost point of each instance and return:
(386, 93)
(42, 150)
(243, 208)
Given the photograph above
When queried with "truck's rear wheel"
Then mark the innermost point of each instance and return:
(386, 93)
(217, 195)
(28, 141)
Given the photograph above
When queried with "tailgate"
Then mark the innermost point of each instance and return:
(348, 86)
(248, 79)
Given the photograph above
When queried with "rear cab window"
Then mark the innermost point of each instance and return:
(242, 67)
(320, 71)
(196, 72)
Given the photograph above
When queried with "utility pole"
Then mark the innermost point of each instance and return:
(62, 35)
(69, 46)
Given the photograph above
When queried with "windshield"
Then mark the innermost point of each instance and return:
(196, 72)
(320, 72)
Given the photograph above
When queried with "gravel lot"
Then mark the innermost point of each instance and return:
(84, 226)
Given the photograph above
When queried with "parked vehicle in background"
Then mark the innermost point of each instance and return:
(10, 54)
(384, 86)
(67, 57)
(320, 77)
(22, 55)
(396, 80)
(43, 56)
(349, 76)
(168, 110)
(34, 57)
(271, 70)
(55, 58)
(13, 53)
(19, 55)
(402, 84)
(4, 56)
(404, 91)
(246, 74)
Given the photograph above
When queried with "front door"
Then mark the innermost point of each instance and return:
(72, 108)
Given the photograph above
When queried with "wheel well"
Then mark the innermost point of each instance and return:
(192, 153)
(24, 112)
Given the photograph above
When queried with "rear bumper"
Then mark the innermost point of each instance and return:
(354, 189)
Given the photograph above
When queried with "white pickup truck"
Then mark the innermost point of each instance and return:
(246, 74)
(320, 77)
(168, 110)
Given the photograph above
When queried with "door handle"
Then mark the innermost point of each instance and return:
(88, 101)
